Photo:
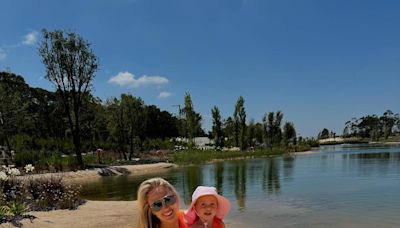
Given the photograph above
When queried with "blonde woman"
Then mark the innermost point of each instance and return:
(158, 204)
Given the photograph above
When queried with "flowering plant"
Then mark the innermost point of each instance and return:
(37, 193)
(29, 168)
(3, 176)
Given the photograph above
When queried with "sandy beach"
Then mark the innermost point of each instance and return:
(93, 213)
(88, 175)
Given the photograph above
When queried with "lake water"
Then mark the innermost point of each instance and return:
(335, 186)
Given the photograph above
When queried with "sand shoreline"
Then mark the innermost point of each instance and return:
(88, 175)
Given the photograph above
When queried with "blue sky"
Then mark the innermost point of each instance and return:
(319, 62)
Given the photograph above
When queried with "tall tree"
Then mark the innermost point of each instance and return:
(289, 134)
(14, 102)
(240, 123)
(116, 125)
(229, 131)
(134, 109)
(190, 118)
(160, 124)
(272, 128)
(70, 65)
(94, 123)
(46, 114)
(217, 133)
(251, 134)
(258, 134)
(277, 127)
(268, 121)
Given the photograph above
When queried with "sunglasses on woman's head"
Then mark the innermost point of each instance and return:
(159, 204)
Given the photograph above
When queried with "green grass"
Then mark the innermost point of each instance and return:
(202, 156)
(392, 138)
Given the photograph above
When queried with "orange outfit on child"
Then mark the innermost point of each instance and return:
(181, 219)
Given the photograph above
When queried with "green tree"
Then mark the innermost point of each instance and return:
(388, 121)
(258, 134)
(190, 119)
(277, 127)
(239, 117)
(229, 132)
(251, 134)
(268, 122)
(14, 103)
(47, 115)
(117, 127)
(94, 124)
(160, 124)
(324, 134)
(70, 65)
(135, 120)
(217, 132)
(272, 128)
(289, 134)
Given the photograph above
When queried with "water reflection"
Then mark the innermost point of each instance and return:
(219, 170)
(271, 177)
(370, 164)
(240, 183)
(261, 175)
(288, 166)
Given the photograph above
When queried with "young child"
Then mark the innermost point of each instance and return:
(207, 209)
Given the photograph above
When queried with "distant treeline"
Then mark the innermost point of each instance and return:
(373, 126)
(34, 119)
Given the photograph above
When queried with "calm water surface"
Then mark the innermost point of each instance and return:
(335, 186)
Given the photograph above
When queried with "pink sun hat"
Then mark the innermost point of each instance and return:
(223, 203)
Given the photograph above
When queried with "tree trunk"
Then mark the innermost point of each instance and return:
(130, 148)
(77, 145)
(122, 152)
(77, 138)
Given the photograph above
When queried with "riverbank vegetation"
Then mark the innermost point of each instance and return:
(70, 128)
(203, 156)
(374, 127)
(366, 129)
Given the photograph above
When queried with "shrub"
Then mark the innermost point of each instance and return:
(44, 160)
(52, 193)
(18, 208)
(3, 212)
(156, 144)
(19, 195)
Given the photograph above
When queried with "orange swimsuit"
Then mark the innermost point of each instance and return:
(217, 223)
(181, 218)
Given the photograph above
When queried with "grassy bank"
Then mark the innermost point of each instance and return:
(354, 140)
(202, 156)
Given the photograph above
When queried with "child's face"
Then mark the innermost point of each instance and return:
(206, 207)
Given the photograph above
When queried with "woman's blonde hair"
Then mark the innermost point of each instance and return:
(146, 217)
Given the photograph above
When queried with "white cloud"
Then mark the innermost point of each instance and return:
(129, 80)
(164, 95)
(3, 54)
(30, 38)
